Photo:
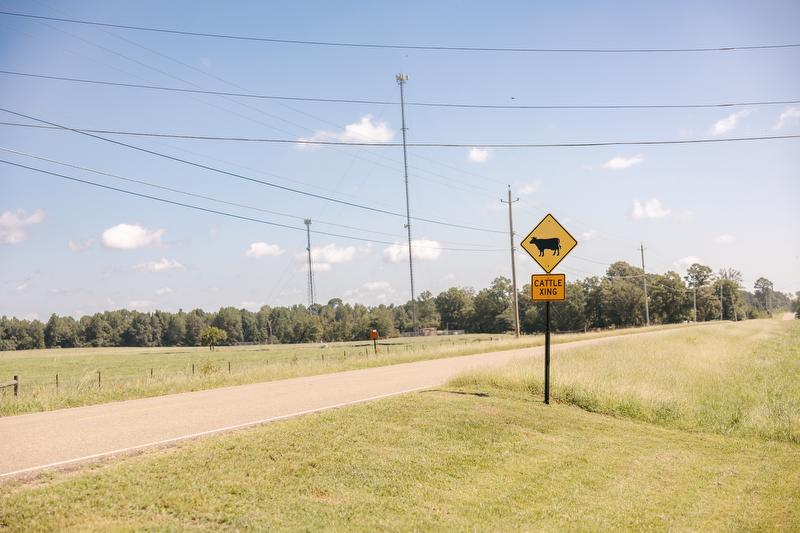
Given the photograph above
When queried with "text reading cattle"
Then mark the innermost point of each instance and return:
(548, 243)
(548, 287)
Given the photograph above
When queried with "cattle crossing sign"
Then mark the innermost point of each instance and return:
(548, 287)
(548, 243)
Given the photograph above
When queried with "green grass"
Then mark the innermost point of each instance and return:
(432, 461)
(125, 372)
(735, 378)
(484, 454)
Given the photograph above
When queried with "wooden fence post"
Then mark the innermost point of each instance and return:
(16, 385)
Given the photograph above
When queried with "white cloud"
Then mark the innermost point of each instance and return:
(373, 293)
(161, 265)
(650, 209)
(251, 305)
(261, 249)
(163, 290)
(725, 238)
(478, 155)
(377, 285)
(318, 267)
(330, 253)
(790, 114)
(422, 249)
(689, 260)
(13, 225)
(324, 257)
(22, 286)
(31, 316)
(726, 124)
(79, 246)
(140, 305)
(131, 237)
(364, 131)
(589, 235)
(620, 163)
(530, 188)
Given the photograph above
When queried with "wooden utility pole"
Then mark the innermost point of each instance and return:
(513, 260)
(644, 279)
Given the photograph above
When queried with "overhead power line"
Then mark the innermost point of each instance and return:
(390, 103)
(232, 215)
(434, 48)
(213, 199)
(249, 178)
(586, 144)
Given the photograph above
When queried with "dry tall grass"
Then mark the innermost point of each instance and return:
(735, 378)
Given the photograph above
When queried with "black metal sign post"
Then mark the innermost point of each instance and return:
(547, 354)
(548, 288)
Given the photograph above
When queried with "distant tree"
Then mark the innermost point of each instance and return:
(381, 318)
(669, 301)
(455, 307)
(64, 332)
(570, 315)
(212, 336)
(594, 309)
(196, 323)
(97, 331)
(264, 323)
(229, 319)
(491, 308)
(174, 332)
(698, 275)
(623, 295)
(427, 314)
(764, 290)
(250, 330)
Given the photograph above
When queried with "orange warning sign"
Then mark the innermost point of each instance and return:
(548, 287)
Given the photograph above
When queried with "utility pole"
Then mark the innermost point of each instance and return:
(644, 279)
(721, 312)
(513, 260)
(401, 80)
(694, 302)
(310, 265)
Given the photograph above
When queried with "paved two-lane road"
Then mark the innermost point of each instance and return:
(37, 441)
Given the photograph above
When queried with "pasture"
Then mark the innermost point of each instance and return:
(97, 375)
(484, 453)
(734, 378)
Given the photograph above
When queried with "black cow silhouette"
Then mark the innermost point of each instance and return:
(547, 244)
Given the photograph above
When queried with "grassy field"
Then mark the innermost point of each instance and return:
(734, 378)
(485, 455)
(435, 461)
(125, 373)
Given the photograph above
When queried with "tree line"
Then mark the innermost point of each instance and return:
(611, 301)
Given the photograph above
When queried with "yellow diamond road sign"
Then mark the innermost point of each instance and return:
(548, 243)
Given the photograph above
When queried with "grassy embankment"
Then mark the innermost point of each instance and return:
(483, 456)
(736, 378)
(125, 372)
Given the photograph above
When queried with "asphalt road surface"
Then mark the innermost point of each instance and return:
(37, 441)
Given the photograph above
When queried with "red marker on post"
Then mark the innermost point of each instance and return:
(374, 336)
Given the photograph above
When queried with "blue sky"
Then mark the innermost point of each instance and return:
(73, 249)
